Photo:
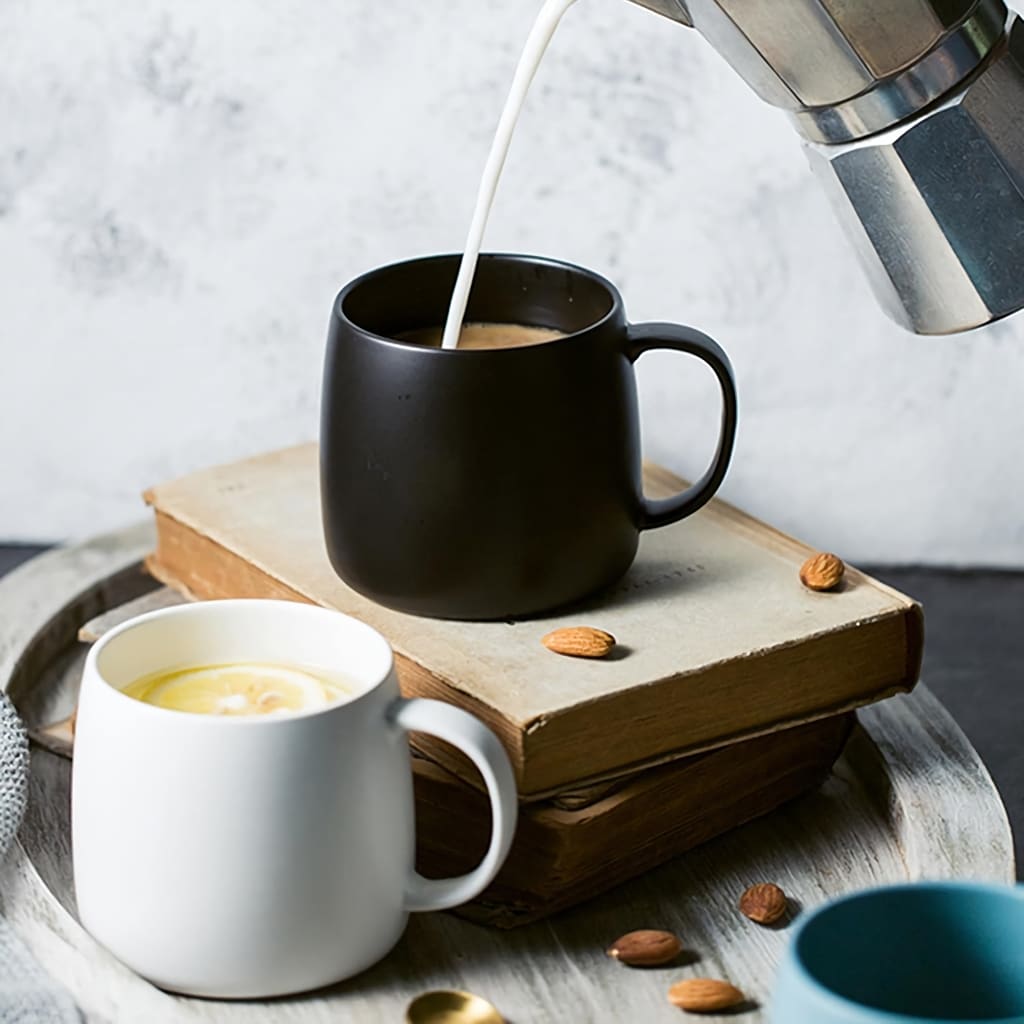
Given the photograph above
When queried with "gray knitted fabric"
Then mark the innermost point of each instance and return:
(13, 772)
(27, 994)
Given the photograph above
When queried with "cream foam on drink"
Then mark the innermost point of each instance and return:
(533, 52)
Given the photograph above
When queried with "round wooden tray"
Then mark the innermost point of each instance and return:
(908, 799)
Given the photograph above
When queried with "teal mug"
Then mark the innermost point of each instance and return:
(926, 953)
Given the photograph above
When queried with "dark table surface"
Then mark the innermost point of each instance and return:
(973, 661)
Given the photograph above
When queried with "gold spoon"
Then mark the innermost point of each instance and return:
(448, 1006)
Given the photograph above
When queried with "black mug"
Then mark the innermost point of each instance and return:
(500, 483)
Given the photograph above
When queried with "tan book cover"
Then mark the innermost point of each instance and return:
(719, 641)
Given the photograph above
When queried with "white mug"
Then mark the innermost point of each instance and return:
(258, 856)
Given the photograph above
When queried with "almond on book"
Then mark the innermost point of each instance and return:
(822, 572)
(579, 642)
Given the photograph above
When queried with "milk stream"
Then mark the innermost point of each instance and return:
(533, 52)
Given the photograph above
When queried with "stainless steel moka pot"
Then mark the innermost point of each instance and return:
(912, 115)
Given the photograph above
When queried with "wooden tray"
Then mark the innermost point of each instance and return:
(909, 799)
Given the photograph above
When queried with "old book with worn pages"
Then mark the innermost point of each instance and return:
(719, 641)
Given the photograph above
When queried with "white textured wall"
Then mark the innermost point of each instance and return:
(184, 186)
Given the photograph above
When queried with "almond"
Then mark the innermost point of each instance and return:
(647, 947)
(822, 571)
(580, 642)
(764, 903)
(705, 995)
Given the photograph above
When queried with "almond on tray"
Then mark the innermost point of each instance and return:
(647, 947)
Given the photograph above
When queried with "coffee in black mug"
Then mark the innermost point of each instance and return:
(502, 478)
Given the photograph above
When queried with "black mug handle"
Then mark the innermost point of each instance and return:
(643, 338)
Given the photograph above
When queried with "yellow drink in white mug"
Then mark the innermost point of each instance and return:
(240, 688)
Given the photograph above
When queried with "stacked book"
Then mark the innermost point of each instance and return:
(730, 691)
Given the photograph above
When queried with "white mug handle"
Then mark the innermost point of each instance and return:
(470, 735)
